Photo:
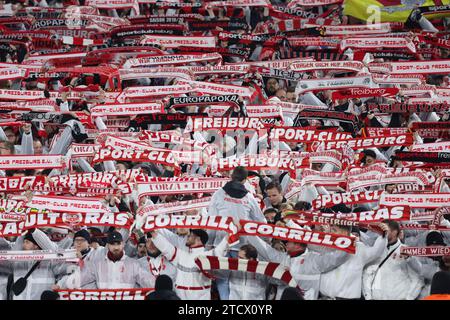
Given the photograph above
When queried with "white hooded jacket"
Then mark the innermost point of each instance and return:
(190, 282)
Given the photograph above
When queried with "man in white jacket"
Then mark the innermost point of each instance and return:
(112, 270)
(155, 262)
(81, 242)
(392, 277)
(246, 285)
(190, 282)
(345, 281)
(305, 265)
(44, 276)
(233, 200)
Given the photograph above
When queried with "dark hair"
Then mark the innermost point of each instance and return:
(273, 185)
(239, 174)
(250, 251)
(269, 210)
(393, 225)
(368, 153)
(388, 184)
(302, 205)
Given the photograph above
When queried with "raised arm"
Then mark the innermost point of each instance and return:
(370, 254)
(26, 146)
(43, 240)
(166, 248)
(266, 252)
(327, 261)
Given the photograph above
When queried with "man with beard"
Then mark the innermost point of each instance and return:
(114, 270)
(190, 282)
(272, 87)
(141, 248)
(155, 261)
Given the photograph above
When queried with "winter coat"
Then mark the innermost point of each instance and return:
(233, 200)
(190, 282)
(306, 268)
(43, 277)
(395, 280)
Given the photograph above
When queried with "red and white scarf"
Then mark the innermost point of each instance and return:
(359, 143)
(364, 181)
(22, 162)
(192, 222)
(355, 66)
(67, 204)
(269, 269)
(38, 255)
(104, 294)
(178, 41)
(161, 156)
(349, 198)
(204, 124)
(172, 59)
(54, 219)
(154, 91)
(378, 42)
(166, 186)
(340, 242)
(163, 72)
(364, 93)
(103, 179)
(432, 251)
(417, 67)
(126, 109)
(333, 84)
(306, 135)
(419, 200)
(174, 207)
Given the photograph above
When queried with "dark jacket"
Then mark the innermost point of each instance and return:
(162, 295)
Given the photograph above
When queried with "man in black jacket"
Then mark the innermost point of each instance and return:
(163, 289)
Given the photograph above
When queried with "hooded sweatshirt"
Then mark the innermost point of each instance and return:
(233, 200)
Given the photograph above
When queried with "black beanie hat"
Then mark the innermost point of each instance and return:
(440, 283)
(142, 240)
(29, 237)
(83, 233)
(114, 237)
(435, 238)
(202, 234)
(163, 282)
